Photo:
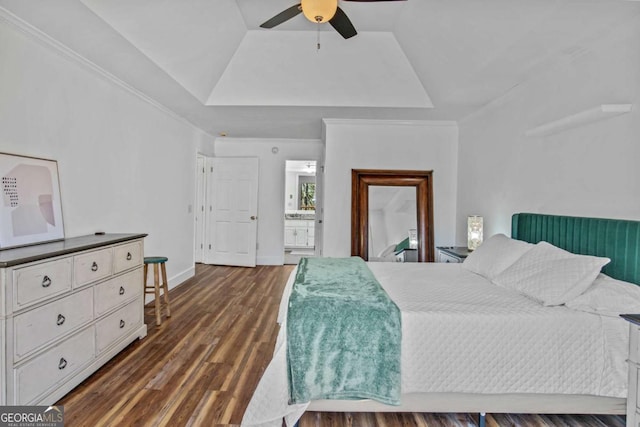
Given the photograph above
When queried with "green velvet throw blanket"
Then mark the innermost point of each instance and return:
(343, 334)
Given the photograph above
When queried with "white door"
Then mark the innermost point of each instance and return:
(199, 214)
(233, 211)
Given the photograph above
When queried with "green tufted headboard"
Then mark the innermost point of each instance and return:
(616, 239)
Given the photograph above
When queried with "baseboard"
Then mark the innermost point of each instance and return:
(270, 260)
(174, 281)
(182, 277)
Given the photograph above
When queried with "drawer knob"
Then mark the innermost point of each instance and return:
(129, 256)
(62, 364)
(94, 266)
(46, 282)
(122, 323)
(121, 291)
(60, 320)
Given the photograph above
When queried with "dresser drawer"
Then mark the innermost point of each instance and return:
(115, 326)
(53, 366)
(92, 266)
(47, 323)
(40, 282)
(127, 256)
(443, 257)
(117, 291)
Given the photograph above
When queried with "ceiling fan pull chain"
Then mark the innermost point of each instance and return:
(318, 20)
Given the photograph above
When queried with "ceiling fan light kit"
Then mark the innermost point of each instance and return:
(319, 11)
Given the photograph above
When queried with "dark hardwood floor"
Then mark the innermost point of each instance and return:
(201, 366)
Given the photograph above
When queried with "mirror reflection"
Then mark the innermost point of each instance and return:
(392, 218)
(307, 193)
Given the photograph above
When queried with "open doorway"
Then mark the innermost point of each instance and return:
(299, 210)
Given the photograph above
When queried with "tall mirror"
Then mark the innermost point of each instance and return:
(364, 181)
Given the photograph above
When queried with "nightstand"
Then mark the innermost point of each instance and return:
(407, 255)
(633, 394)
(452, 253)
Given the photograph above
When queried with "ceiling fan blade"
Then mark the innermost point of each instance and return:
(283, 16)
(342, 24)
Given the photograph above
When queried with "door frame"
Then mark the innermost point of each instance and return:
(200, 228)
(361, 179)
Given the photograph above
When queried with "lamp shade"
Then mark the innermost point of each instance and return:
(413, 238)
(319, 10)
(474, 231)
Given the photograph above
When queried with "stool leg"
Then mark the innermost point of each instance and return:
(156, 283)
(166, 288)
(144, 285)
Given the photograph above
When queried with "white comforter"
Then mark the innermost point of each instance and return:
(461, 333)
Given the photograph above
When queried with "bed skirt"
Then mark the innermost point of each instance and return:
(524, 403)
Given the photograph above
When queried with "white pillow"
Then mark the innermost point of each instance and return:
(608, 297)
(551, 275)
(494, 255)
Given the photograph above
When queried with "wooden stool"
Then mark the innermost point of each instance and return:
(155, 289)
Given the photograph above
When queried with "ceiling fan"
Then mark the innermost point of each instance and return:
(319, 11)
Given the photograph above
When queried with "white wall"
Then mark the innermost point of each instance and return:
(271, 185)
(125, 165)
(291, 191)
(590, 170)
(382, 144)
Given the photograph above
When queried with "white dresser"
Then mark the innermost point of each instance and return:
(66, 308)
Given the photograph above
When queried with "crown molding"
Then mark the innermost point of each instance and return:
(390, 122)
(600, 112)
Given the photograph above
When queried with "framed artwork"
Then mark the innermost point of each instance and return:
(31, 209)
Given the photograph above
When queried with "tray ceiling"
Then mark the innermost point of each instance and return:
(208, 60)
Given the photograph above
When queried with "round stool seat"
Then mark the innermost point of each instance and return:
(155, 259)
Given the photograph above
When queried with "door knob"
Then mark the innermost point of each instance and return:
(253, 217)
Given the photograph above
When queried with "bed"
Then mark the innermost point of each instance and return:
(469, 345)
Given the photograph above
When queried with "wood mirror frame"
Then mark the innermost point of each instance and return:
(361, 179)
